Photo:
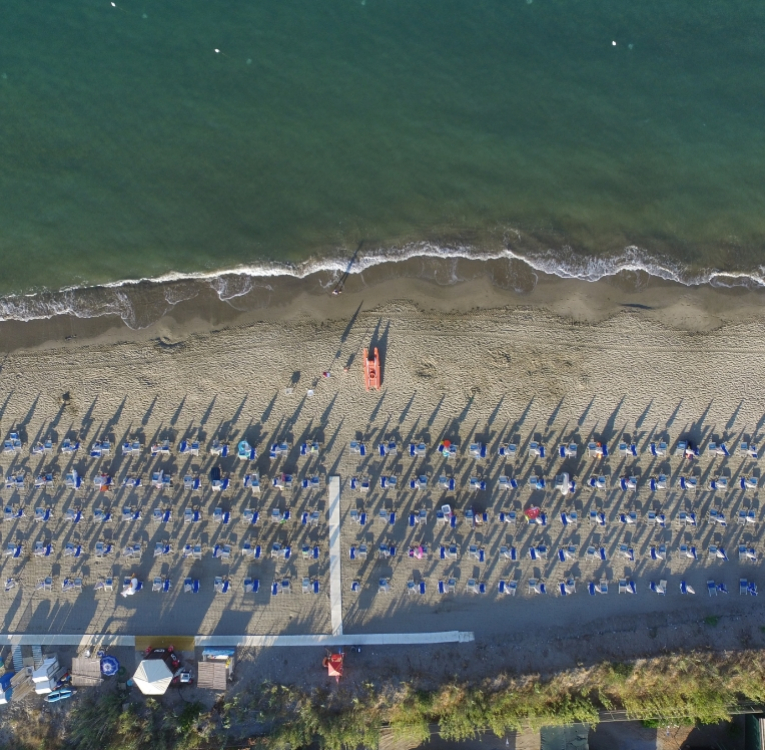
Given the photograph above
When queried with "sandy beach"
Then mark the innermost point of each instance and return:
(472, 362)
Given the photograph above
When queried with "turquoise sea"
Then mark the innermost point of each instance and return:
(582, 134)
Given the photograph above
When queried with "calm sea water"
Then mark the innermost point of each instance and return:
(129, 148)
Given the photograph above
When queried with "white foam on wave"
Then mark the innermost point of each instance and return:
(114, 298)
(564, 264)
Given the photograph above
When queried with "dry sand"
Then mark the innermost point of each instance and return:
(467, 362)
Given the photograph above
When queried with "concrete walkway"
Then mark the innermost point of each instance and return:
(248, 641)
(335, 570)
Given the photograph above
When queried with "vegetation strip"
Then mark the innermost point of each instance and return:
(699, 687)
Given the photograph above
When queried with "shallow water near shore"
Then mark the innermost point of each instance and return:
(131, 149)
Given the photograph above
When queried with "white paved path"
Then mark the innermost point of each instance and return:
(335, 572)
(248, 641)
(371, 639)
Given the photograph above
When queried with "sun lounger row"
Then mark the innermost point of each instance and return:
(595, 449)
(103, 448)
(162, 480)
(250, 516)
(105, 549)
(563, 483)
(659, 552)
(222, 585)
(684, 518)
(563, 588)
(746, 553)
(162, 584)
(444, 515)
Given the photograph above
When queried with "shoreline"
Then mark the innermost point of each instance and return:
(453, 287)
(143, 302)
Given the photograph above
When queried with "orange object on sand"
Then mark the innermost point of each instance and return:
(372, 370)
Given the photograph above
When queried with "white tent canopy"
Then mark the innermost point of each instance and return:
(152, 677)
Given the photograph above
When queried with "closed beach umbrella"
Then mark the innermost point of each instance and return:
(153, 677)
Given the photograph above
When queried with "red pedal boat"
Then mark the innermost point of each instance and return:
(372, 370)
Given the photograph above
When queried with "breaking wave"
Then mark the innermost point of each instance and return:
(127, 299)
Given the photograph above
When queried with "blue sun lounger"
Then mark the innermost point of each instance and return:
(510, 553)
(73, 481)
(508, 483)
(161, 584)
(536, 482)
(245, 451)
(12, 514)
(190, 447)
(69, 446)
(221, 516)
(689, 552)
(72, 550)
